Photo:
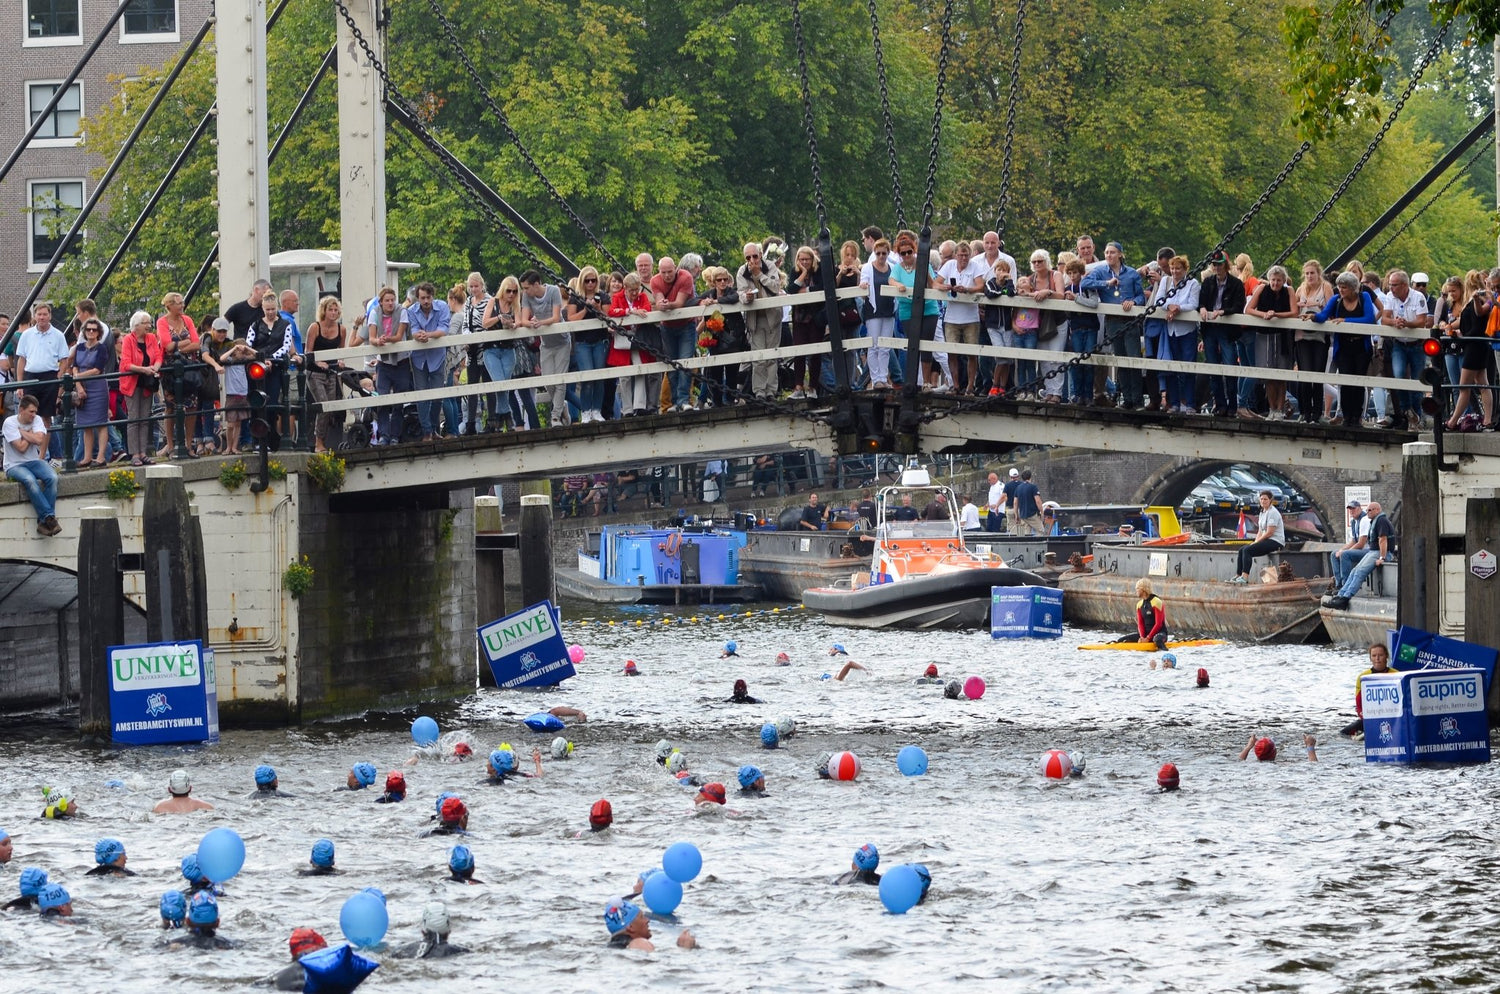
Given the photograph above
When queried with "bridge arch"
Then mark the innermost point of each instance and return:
(1172, 483)
(39, 637)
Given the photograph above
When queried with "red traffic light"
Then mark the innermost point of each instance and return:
(257, 371)
(1432, 346)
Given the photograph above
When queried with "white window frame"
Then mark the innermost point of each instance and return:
(26, 118)
(61, 40)
(34, 265)
(163, 38)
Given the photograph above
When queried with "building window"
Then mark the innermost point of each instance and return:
(54, 205)
(146, 20)
(52, 21)
(61, 126)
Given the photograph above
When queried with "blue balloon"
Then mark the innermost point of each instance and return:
(912, 761)
(900, 889)
(682, 861)
(424, 731)
(662, 893)
(364, 919)
(221, 854)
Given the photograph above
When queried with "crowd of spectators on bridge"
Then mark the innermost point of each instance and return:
(158, 364)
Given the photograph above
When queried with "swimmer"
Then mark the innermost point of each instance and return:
(1167, 778)
(954, 691)
(173, 909)
(53, 901)
(601, 817)
(320, 863)
(267, 787)
(294, 977)
(838, 650)
(1202, 678)
(1150, 616)
(501, 765)
(180, 785)
(850, 665)
(1380, 662)
(32, 880)
(631, 669)
(926, 877)
(731, 650)
(709, 795)
(562, 748)
(434, 943)
(663, 750)
(395, 789)
(1168, 662)
(452, 817)
(567, 712)
(109, 859)
(195, 878)
(820, 765)
(629, 929)
(462, 752)
(461, 866)
(741, 694)
(782, 659)
(59, 805)
(1080, 763)
(361, 776)
(677, 766)
(862, 869)
(785, 727)
(202, 925)
(752, 782)
(6, 847)
(929, 675)
(770, 737)
(1265, 749)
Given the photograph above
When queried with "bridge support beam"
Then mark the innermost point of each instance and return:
(361, 130)
(244, 203)
(1419, 565)
(537, 582)
(101, 623)
(489, 574)
(1482, 594)
(167, 537)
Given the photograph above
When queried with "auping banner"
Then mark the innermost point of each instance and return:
(1387, 731)
(1426, 716)
(1417, 649)
(162, 692)
(1026, 612)
(526, 649)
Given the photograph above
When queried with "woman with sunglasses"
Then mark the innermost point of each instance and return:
(590, 347)
(93, 357)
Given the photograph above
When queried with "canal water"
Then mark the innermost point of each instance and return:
(1334, 876)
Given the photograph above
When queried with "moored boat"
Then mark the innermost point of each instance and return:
(642, 565)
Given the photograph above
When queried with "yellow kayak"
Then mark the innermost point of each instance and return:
(1151, 646)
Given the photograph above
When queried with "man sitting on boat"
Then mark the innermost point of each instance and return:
(1150, 615)
(905, 512)
(813, 514)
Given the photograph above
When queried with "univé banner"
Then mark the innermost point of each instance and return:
(526, 649)
(163, 692)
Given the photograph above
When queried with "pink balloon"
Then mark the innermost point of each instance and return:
(575, 653)
(974, 688)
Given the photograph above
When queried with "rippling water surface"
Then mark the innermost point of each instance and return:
(1333, 876)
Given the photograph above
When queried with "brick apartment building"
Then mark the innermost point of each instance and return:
(41, 40)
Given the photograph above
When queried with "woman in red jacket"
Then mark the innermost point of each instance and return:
(627, 299)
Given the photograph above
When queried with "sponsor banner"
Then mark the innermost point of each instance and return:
(1416, 649)
(162, 692)
(1026, 612)
(526, 649)
(1427, 716)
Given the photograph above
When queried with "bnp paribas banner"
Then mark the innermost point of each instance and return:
(163, 692)
(526, 649)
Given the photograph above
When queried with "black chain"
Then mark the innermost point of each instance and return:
(1010, 121)
(885, 111)
(807, 116)
(515, 139)
(1463, 170)
(1416, 76)
(937, 116)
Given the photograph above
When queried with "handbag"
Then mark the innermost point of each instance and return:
(147, 383)
(527, 363)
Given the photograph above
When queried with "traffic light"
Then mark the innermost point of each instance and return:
(1435, 375)
(258, 373)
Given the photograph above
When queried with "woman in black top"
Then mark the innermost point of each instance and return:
(809, 322)
(325, 334)
(1273, 346)
(1474, 372)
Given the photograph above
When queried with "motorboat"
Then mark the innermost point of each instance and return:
(921, 572)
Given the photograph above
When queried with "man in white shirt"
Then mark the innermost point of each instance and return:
(1346, 558)
(1405, 310)
(963, 274)
(994, 513)
(26, 463)
(968, 515)
(42, 354)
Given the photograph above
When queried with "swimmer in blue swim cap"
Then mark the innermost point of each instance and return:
(320, 863)
(173, 909)
(862, 869)
(838, 650)
(109, 859)
(731, 649)
(361, 776)
(501, 765)
(629, 928)
(926, 877)
(54, 900)
(195, 878)
(202, 925)
(267, 786)
(6, 847)
(461, 866)
(848, 668)
(32, 880)
(752, 782)
(770, 738)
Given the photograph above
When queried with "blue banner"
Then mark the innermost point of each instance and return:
(1425, 716)
(1026, 612)
(162, 692)
(1422, 650)
(526, 649)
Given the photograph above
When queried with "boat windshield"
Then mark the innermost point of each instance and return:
(917, 529)
(918, 512)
